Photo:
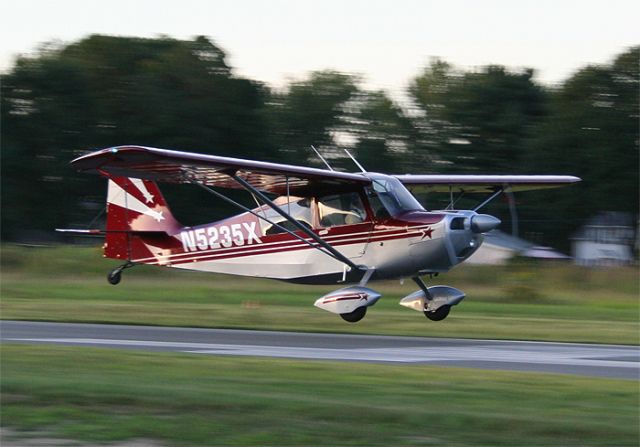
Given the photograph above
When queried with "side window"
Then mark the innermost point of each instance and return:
(341, 209)
(300, 210)
(376, 204)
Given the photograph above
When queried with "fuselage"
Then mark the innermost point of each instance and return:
(382, 227)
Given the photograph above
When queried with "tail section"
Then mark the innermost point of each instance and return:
(137, 215)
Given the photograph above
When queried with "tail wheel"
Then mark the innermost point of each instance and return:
(439, 314)
(114, 276)
(356, 315)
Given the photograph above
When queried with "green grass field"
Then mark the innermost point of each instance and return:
(105, 396)
(101, 395)
(534, 302)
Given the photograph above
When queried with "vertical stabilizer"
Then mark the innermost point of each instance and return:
(135, 207)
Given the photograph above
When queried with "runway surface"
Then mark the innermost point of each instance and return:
(566, 358)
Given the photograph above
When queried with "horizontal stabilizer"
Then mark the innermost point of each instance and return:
(81, 231)
(95, 232)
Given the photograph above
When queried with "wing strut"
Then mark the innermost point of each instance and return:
(493, 196)
(334, 253)
(511, 199)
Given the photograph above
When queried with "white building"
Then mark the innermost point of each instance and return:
(498, 248)
(606, 239)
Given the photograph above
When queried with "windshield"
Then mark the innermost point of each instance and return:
(393, 195)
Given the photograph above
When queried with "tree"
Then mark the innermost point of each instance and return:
(384, 136)
(105, 91)
(330, 111)
(308, 112)
(478, 120)
(591, 132)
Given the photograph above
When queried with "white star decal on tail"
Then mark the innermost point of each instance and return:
(157, 215)
(120, 197)
(148, 197)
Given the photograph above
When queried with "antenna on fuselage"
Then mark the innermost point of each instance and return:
(355, 161)
(321, 158)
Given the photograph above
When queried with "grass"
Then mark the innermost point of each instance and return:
(101, 395)
(534, 302)
(104, 396)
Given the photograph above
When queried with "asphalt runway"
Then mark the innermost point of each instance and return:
(611, 361)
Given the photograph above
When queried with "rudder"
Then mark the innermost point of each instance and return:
(135, 207)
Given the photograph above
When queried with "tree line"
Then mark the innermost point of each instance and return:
(104, 91)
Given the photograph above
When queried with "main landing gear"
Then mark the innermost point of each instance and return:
(115, 276)
(350, 303)
(356, 315)
(439, 314)
(435, 301)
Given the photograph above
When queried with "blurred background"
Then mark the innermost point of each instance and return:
(408, 86)
(453, 113)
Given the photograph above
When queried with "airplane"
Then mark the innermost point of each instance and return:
(309, 225)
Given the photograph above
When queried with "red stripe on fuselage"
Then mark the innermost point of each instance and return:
(283, 247)
(415, 225)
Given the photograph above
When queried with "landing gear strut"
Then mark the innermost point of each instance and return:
(115, 276)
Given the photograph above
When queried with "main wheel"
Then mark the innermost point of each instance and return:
(356, 315)
(114, 277)
(439, 314)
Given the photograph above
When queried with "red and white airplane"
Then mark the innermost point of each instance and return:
(309, 226)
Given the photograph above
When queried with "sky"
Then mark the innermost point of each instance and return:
(385, 42)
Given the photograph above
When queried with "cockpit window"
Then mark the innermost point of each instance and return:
(395, 198)
(299, 209)
(341, 209)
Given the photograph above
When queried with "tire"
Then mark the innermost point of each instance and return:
(356, 315)
(439, 314)
(114, 277)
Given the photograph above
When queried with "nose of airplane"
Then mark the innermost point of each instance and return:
(482, 223)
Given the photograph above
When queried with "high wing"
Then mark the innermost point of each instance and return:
(164, 165)
(169, 166)
(483, 183)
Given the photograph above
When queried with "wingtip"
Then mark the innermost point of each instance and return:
(93, 159)
(570, 179)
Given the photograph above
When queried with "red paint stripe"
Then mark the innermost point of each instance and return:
(257, 249)
(345, 298)
(284, 246)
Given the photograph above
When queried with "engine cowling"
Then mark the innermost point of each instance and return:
(348, 299)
